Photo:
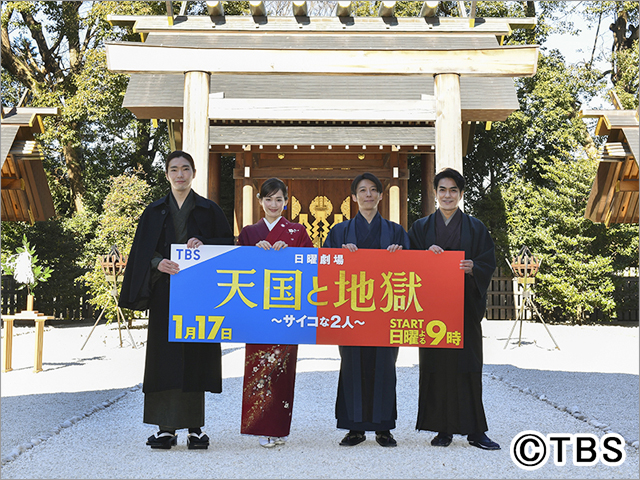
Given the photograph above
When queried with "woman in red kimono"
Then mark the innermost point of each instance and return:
(270, 370)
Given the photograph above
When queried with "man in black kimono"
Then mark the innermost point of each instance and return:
(176, 375)
(367, 385)
(450, 392)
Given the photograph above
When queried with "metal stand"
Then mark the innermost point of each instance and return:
(113, 266)
(525, 267)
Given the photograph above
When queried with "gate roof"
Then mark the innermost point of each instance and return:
(405, 101)
(26, 196)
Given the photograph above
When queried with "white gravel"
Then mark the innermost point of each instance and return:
(82, 416)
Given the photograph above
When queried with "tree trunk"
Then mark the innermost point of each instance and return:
(74, 171)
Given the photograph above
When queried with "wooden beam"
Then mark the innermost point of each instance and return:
(615, 100)
(236, 23)
(462, 9)
(319, 153)
(427, 174)
(317, 173)
(32, 110)
(12, 184)
(387, 9)
(123, 20)
(134, 57)
(215, 9)
(247, 202)
(299, 9)
(344, 9)
(394, 202)
(468, 130)
(322, 110)
(258, 9)
(215, 174)
(615, 151)
(169, 4)
(429, 9)
(473, 8)
(472, 15)
(346, 137)
(627, 185)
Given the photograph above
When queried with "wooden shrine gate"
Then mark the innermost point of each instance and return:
(316, 101)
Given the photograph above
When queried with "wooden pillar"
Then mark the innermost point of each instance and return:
(247, 203)
(428, 170)
(394, 189)
(195, 135)
(247, 190)
(37, 362)
(215, 172)
(403, 163)
(7, 344)
(394, 201)
(448, 123)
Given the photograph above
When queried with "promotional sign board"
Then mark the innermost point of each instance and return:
(317, 296)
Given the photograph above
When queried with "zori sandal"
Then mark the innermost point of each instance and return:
(163, 440)
(197, 441)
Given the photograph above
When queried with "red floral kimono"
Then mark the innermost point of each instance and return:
(270, 370)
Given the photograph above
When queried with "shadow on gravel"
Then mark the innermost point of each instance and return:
(610, 398)
(25, 417)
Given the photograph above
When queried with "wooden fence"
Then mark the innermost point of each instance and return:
(500, 299)
(502, 304)
(74, 307)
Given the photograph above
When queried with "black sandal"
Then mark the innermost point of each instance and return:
(162, 440)
(353, 438)
(197, 441)
(385, 439)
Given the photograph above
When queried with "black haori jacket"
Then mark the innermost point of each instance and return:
(478, 246)
(154, 233)
(172, 365)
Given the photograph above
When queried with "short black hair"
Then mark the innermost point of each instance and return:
(367, 176)
(178, 154)
(451, 173)
(271, 186)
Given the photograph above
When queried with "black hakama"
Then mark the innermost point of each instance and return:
(450, 389)
(366, 399)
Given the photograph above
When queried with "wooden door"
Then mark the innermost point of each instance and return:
(320, 204)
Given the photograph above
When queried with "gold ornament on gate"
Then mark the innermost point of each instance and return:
(295, 207)
(320, 207)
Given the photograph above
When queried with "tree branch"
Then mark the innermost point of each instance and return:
(73, 33)
(35, 28)
(595, 41)
(13, 64)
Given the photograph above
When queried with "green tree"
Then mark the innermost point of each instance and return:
(116, 227)
(54, 50)
(530, 176)
(53, 55)
(59, 243)
(575, 275)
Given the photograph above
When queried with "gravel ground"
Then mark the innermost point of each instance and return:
(82, 416)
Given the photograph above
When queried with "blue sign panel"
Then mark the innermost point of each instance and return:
(227, 294)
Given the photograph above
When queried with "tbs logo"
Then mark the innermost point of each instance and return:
(530, 450)
(188, 254)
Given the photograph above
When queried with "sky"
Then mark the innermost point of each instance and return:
(577, 49)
